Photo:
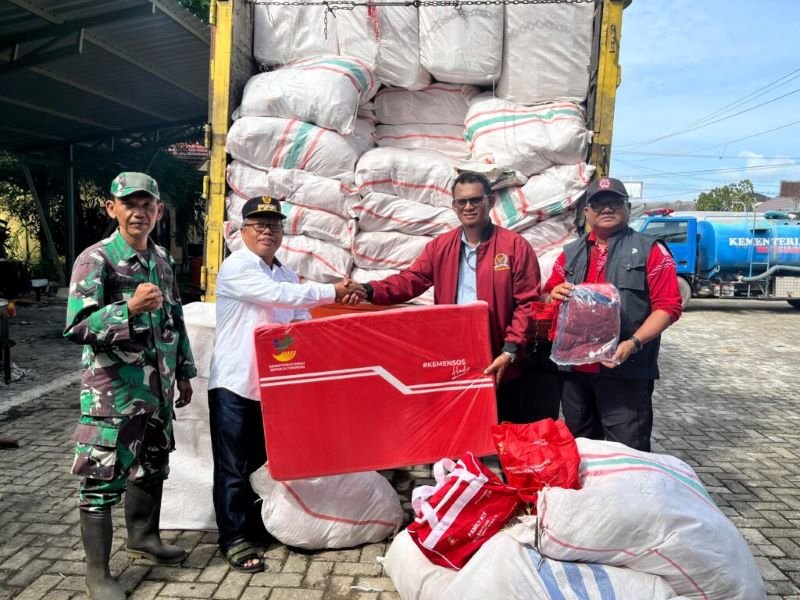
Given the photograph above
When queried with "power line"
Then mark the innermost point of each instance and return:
(687, 130)
(729, 170)
(723, 144)
(739, 101)
(751, 96)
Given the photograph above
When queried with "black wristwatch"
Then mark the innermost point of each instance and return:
(637, 343)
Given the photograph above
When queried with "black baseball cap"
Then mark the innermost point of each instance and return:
(606, 186)
(262, 206)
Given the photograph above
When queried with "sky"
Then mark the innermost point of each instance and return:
(687, 63)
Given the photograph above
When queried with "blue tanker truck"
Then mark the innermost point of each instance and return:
(730, 256)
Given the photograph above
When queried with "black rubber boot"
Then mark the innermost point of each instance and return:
(142, 516)
(96, 535)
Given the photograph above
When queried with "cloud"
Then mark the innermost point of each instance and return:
(769, 171)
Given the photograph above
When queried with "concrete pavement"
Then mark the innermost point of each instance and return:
(728, 404)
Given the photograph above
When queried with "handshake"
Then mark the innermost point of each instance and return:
(350, 292)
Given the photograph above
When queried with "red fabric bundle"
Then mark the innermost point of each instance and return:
(537, 455)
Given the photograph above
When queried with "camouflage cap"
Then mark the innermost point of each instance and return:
(131, 182)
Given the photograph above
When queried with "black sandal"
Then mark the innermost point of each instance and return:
(239, 552)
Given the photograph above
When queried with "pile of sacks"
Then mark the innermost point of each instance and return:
(628, 525)
(363, 126)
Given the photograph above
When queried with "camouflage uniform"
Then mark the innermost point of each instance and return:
(130, 366)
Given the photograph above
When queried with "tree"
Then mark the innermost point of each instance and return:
(198, 8)
(734, 197)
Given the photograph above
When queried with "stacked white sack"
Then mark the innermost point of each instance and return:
(448, 48)
(510, 568)
(649, 513)
(387, 38)
(366, 275)
(387, 250)
(385, 212)
(438, 103)
(317, 208)
(428, 119)
(314, 259)
(545, 195)
(325, 91)
(420, 175)
(284, 34)
(383, 222)
(551, 233)
(298, 187)
(526, 138)
(547, 51)
(272, 142)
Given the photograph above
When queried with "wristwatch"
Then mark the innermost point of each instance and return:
(637, 343)
(511, 355)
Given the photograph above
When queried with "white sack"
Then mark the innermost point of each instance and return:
(187, 502)
(421, 175)
(437, 104)
(234, 203)
(526, 138)
(462, 45)
(545, 195)
(232, 234)
(506, 568)
(548, 258)
(270, 142)
(314, 259)
(384, 212)
(551, 233)
(447, 139)
(366, 275)
(363, 136)
(547, 51)
(651, 513)
(387, 38)
(325, 91)
(284, 34)
(382, 250)
(318, 224)
(298, 187)
(341, 511)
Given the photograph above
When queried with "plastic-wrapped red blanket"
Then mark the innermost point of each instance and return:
(376, 390)
(588, 325)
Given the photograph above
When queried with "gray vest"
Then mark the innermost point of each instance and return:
(627, 259)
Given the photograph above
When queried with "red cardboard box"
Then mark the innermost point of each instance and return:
(376, 390)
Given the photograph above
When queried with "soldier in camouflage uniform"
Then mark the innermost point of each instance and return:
(125, 309)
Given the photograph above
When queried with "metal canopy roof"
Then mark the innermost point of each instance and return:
(77, 70)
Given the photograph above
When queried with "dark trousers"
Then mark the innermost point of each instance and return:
(535, 394)
(237, 445)
(611, 408)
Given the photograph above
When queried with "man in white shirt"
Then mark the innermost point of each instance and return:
(253, 289)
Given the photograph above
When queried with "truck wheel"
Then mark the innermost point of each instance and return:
(795, 303)
(685, 290)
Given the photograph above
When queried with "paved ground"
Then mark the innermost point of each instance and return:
(728, 404)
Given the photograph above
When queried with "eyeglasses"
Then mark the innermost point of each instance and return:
(262, 227)
(601, 204)
(474, 201)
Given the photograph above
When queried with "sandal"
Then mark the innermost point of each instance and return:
(239, 552)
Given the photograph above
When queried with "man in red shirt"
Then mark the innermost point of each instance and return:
(613, 400)
(479, 261)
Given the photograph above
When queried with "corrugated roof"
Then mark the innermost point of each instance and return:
(73, 70)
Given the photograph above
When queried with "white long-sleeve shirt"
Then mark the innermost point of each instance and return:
(250, 294)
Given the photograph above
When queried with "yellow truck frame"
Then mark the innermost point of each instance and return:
(224, 53)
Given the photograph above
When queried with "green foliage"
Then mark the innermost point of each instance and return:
(734, 197)
(198, 8)
(180, 183)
